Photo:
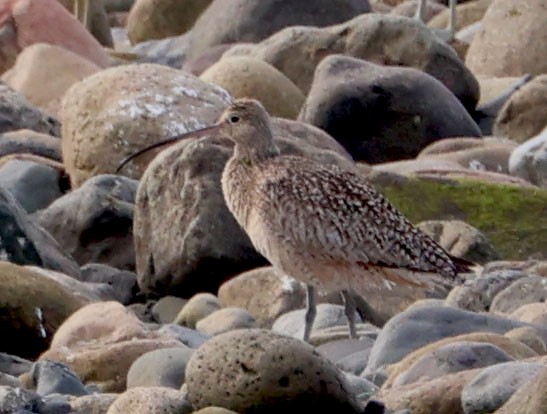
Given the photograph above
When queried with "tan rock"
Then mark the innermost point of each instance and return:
(530, 337)
(535, 313)
(149, 400)
(226, 319)
(93, 403)
(157, 19)
(246, 77)
(511, 41)
(43, 73)
(114, 113)
(264, 293)
(493, 87)
(466, 14)
(198, 307)
(524, 115)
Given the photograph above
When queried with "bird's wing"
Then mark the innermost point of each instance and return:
(338, 214)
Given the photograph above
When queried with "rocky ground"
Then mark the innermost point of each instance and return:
(138, 292)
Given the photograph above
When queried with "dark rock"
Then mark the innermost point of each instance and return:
(371, 110)
(124, 283)
(26, 141)
(50, 377)
(94, 222)
(14, 365)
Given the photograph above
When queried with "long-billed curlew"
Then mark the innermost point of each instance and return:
(323, 225)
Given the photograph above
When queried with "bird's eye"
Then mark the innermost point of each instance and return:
(234, 119)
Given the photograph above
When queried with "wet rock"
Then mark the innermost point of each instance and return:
(160, 368)
(224, 320)
(526, 290)
(198, 307)
(245, 77)
(145, 400)
(112, 114)
(529, 160)
(18, 113)
(266, 371)
(31, 74)
(264, 293)
(377, 38)
(94, 222)
(505, 44)
(368, 108)
(54, 378)
(253, 20)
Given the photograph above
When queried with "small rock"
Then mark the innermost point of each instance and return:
(350, 355)
(160, 368)
(150, 400)
(198, 307)
(167, 308)
(170, 51)
(268, 372)
(14, 365)
(245, 77)
(14, 399)
(264, 293)
(10, 381)
(530, 337)
(124, 283)
(186, 336)
(529, 160)
(224, 320)
(51, 377)
(492, 387)
(93, 403)
(27, 141)
(523, 291)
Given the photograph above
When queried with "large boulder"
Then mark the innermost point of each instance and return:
(377, 38)
(529, 160)
(512, 40)
(253, 20)
(114, 113)
(371, 109)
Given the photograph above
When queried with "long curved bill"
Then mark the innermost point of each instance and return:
(193, 134)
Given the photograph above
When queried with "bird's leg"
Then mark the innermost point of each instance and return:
(82, 13)
(349, 308)
(311, 311)
(452, 24)
(420, 13)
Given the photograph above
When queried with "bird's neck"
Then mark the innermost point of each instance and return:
(253, 156)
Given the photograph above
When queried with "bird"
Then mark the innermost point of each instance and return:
(321, 224)
(448, 34)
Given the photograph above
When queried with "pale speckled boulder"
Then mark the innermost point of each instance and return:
(245, 77)
(31, 74)
(524, 115)
(186, 240)
(115, 112)
(260, 371)
(158, 19)
(377, 38)
(264, 293)
(150, 400)
(101, 341)
(512, 40)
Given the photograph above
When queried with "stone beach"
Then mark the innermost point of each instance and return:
(138, 292)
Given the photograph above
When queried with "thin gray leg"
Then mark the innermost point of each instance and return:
(311, 311)
(349, 308)
(420, 13)
(452, 25)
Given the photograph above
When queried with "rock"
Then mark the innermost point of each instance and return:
(460, 240)
(523, 115)
(47, 22)
(530, 337)
(33, 307)
(33, 185)
(26, 141)
(416, 328)
(54, 378)
(182, 185)
(214, 410)
(124, 283)
(529, 160)
(14, 399)
(93, 403)
(18, 113)
(148, 400)
(525, 290)
(440, 396)
(492, 387)
(529, 399)
(466, 14)
(505, 44)
(534, 313)
(409, 8)
(101, 341)
(515, 349)
(266, 371)
(264, 293)
(170, 51)
(186, 336)
(348, 354)
(451, 358)
(14, 365)
(112, 114)
(368, 108)
(477, 294)
(159, 19)
(224, 320)
(159, 368)
(167, 308)
(476, 201)
(328, 315)
(10, 381)
(245, 77)
(206, 59)
(198, 307)
(252, 20)
(31, 74)
(377, 38)
(94, 222)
